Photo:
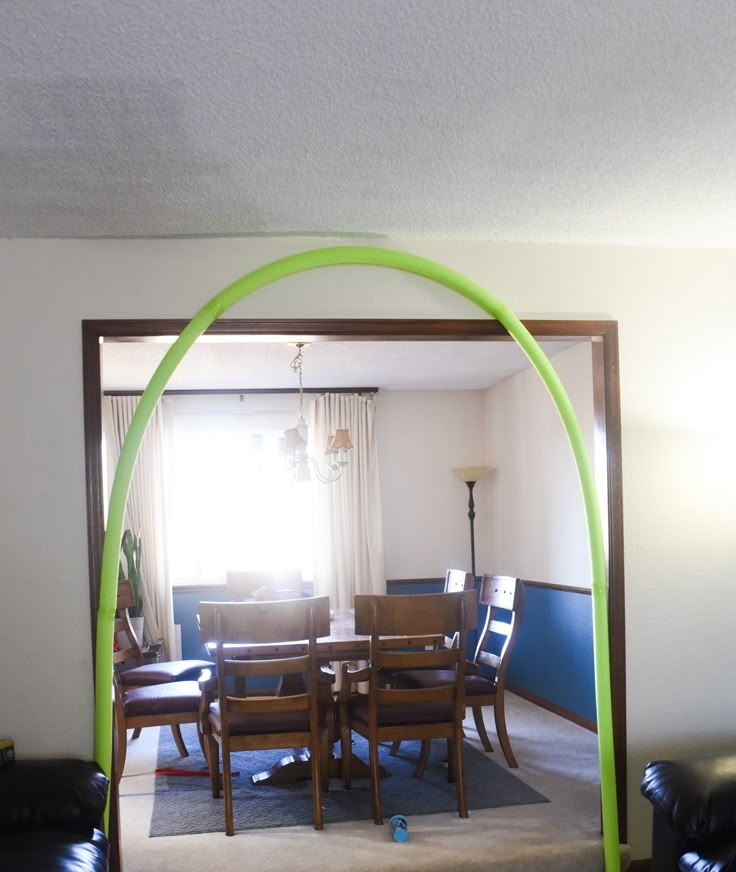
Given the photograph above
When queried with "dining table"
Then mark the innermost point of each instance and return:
(342, 644)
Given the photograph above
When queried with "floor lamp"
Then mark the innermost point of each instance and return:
(470, 475)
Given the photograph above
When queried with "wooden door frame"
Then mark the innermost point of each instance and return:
(607, 434)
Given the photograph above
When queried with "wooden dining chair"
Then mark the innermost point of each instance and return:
(142, 674)
(237, 717)
(455, 580)
(170, 704)
(485, 675)
(387, 713)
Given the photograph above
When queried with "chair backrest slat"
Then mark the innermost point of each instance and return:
(123, 629)
(486, 658)
(419, 659)
(268, 705)
(254, 668)
(498, 591)
(458, 579)
(426, 614)
(265, 621)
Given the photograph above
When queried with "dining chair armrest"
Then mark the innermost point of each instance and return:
(351, 675)
(326, 675)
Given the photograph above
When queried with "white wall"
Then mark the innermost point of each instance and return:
(422, 437)
(676, 311)
(537, 518)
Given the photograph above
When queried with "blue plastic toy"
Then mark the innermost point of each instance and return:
(400, 827)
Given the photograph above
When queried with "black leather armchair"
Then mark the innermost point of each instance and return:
(50, 814)
(694, 800)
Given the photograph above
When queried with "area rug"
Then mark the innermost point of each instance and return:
(184, 805)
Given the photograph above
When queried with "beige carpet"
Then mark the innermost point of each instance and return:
(557, 758)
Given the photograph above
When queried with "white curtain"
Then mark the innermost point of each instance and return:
(348, 520)
(144, 513)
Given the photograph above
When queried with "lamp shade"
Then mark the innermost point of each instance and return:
(293, 439)
(341, 439)
(471, 473)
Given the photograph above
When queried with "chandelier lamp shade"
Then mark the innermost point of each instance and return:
(295, 442)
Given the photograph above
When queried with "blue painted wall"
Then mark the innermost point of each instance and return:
(554, 652)
(553, 658)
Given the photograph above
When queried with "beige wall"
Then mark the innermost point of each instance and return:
(537, 519)
(676, 311)
(422, 437)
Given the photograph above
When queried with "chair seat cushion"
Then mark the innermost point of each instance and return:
(475, 685)
(261, 723)
(396, 715)
(163, 699)
(160, 673)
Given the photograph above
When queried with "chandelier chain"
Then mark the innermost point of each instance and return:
(296, 366)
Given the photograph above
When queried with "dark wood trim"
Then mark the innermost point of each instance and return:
(220, 585)
(354, 329)
(567, 588)
(116, 847)
(92, 392)
(640, 866)
(204, 587)
(607, 424)
(201, 392)
(552, 707)
(607, 421)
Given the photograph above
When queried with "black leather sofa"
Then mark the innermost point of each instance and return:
(694, 801)
(50, 814)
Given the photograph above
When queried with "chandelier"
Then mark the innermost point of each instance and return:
(301, 464)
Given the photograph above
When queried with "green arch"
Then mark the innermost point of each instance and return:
(483, 299)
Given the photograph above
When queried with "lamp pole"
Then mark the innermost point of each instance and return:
(470, 475)
(471, 516)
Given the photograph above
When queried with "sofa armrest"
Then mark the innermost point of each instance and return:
(63, 794)
(696, 795)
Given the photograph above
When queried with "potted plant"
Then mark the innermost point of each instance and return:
(130, 548)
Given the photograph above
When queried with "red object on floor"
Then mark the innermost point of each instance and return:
(188, 772)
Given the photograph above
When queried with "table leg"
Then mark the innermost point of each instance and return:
(297, 767)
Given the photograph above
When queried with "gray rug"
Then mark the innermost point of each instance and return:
(184, 805)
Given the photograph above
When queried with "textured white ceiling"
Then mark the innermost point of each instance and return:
(547, 120)
(388, 365)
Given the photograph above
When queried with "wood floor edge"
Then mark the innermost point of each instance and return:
(555, 709)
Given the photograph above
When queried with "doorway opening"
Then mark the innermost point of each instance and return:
(603, 336)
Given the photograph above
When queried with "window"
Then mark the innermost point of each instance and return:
(230, 501)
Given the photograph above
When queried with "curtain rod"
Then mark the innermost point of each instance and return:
(213, 391)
